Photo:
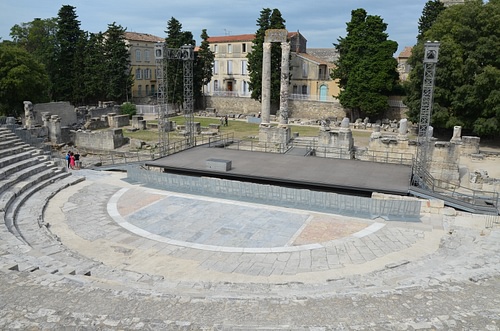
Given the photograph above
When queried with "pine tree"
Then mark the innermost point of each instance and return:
(117, 60)
(95, 76)
(68, 35)
(203, 66)
(431, 11)
(366, 68)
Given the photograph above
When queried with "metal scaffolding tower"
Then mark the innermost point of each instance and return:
(431, 52)
(186, 55)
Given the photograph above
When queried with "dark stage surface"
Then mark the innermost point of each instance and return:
(315, 173)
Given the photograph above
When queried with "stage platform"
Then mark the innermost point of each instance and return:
(315, 173)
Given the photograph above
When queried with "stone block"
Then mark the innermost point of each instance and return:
(218, 164)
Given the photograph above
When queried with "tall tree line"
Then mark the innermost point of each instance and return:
(82, 67)
(467, 84)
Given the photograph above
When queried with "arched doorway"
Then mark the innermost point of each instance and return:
(323, 93)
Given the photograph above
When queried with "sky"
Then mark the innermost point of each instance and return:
(321, 22)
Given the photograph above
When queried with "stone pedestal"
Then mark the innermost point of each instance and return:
(271, 136)
(54, 126)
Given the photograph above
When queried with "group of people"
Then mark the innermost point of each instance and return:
(73, 160)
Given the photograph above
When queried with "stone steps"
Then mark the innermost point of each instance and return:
(15, 206)
(18, 147)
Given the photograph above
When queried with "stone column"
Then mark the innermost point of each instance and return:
(266, 84)
(457, 134)
(403, 129)
(29, 117)
(285, 72)
(55, 129)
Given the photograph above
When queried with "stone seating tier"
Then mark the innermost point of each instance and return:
(29, 179)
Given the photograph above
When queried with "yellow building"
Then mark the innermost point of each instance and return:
(310, 74)
(142, 62)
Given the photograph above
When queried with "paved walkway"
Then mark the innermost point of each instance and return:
(163, 260)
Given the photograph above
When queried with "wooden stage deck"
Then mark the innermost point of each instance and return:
(315, 173)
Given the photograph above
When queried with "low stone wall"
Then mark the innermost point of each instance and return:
(296, 108)
(427, 206)
(399, 210)
(105, 140)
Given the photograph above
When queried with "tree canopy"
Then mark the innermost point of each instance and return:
(366, 68)
(269, 19)
(82, 67)
(67, 71)
(467, 84)
(431, 11)
(22, 78)
(203, 66)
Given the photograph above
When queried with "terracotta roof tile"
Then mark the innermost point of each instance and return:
(136, 36)
(406, 53)
(240, 37)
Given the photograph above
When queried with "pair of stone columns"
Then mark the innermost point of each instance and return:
(275, 35)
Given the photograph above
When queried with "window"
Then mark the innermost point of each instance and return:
(244, 88)
(147, 90)
(229, 48)
(216, 85)
(139, 91)
(146, 55)
(147, 73)
(138, 55)
(157, 73)
(244, 48)
(216, 67)
(304, 69)
(229, 67)
(244, 67)
(138, 74)
(153, 89)
(216, 48)
(295, 89)
(304, 89)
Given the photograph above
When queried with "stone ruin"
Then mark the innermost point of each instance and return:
(336, 143)
(61, 123)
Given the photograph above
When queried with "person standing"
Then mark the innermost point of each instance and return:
(72, 161)
(68, 158)
(77, 161)
(225, 121)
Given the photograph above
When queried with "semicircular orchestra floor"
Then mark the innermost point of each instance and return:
(225, 225)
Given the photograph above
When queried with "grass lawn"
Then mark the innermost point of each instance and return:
(241, 129)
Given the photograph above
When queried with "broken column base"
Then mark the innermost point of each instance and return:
(270, 136)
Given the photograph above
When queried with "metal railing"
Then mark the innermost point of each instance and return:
(475, 197)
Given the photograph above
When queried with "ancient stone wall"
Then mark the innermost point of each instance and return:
(118, 121)
(64, 110)
(296, 108)
(105, 140)
(99, 112)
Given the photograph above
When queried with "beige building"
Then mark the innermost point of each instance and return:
(310, 74)
(142, 62)
(403, 67)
